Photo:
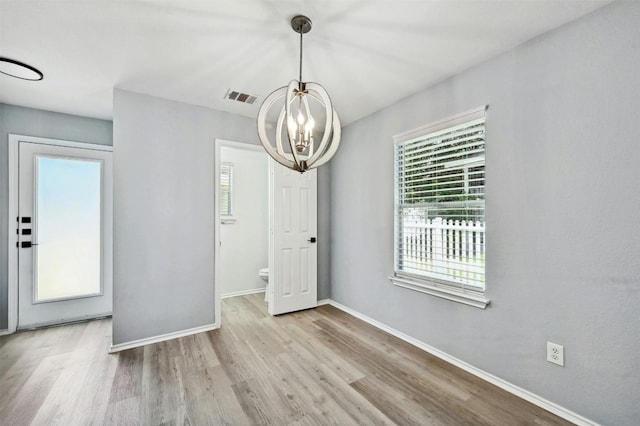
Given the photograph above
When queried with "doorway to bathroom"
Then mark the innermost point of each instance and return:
(243, 221)
(265, 231)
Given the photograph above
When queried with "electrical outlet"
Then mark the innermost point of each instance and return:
(555, 353)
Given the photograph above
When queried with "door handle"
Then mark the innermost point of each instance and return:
(312, 240)
(27, 244)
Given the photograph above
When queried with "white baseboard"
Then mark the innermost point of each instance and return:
(163, 337)
(243, 293)
(56, 323)
(66, 321)
(503, 384)
(324, 302)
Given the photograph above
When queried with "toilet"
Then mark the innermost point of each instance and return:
(264, 274)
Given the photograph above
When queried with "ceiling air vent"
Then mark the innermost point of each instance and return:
(245, 98)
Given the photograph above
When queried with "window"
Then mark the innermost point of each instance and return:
(226, 193)
(439, 209)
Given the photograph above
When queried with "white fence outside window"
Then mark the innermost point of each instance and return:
(451, 250)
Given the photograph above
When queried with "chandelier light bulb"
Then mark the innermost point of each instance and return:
(308, 129)
(303, 151)
(292, 126)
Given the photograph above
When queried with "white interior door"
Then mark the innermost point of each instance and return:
(293, 266)
(64, 228)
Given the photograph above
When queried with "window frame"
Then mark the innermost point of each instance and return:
(445, 289)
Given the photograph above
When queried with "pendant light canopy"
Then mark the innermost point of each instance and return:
(305, 147)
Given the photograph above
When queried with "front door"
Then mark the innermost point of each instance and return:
(293, 254)
(64, 231)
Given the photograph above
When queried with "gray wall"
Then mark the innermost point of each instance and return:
(163, 213)
(563, 174)
(46, 124)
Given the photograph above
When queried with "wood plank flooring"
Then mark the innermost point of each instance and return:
(316, 367)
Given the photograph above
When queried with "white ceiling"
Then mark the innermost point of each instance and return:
(367, 53)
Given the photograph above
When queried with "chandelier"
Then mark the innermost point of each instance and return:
(295, 121)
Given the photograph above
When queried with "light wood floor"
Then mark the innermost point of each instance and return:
(314, 367)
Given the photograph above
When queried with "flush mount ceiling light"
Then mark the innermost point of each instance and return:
(296, 122)
(19, 70)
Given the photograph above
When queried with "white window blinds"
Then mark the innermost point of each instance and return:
(226, 183)
(439, 206)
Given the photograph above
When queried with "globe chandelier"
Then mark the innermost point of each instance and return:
(295, 122)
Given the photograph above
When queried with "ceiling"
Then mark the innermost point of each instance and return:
(368, 54)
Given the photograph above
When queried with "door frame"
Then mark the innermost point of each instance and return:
(12, 258)
(219, 143)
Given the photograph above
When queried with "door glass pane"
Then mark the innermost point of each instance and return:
(68, 207)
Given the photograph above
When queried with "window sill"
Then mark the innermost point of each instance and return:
(466, 297)
(227, 220)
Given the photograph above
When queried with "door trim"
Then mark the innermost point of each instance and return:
(219, 143)
(12, 258)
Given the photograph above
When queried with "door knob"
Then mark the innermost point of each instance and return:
(312, 240)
